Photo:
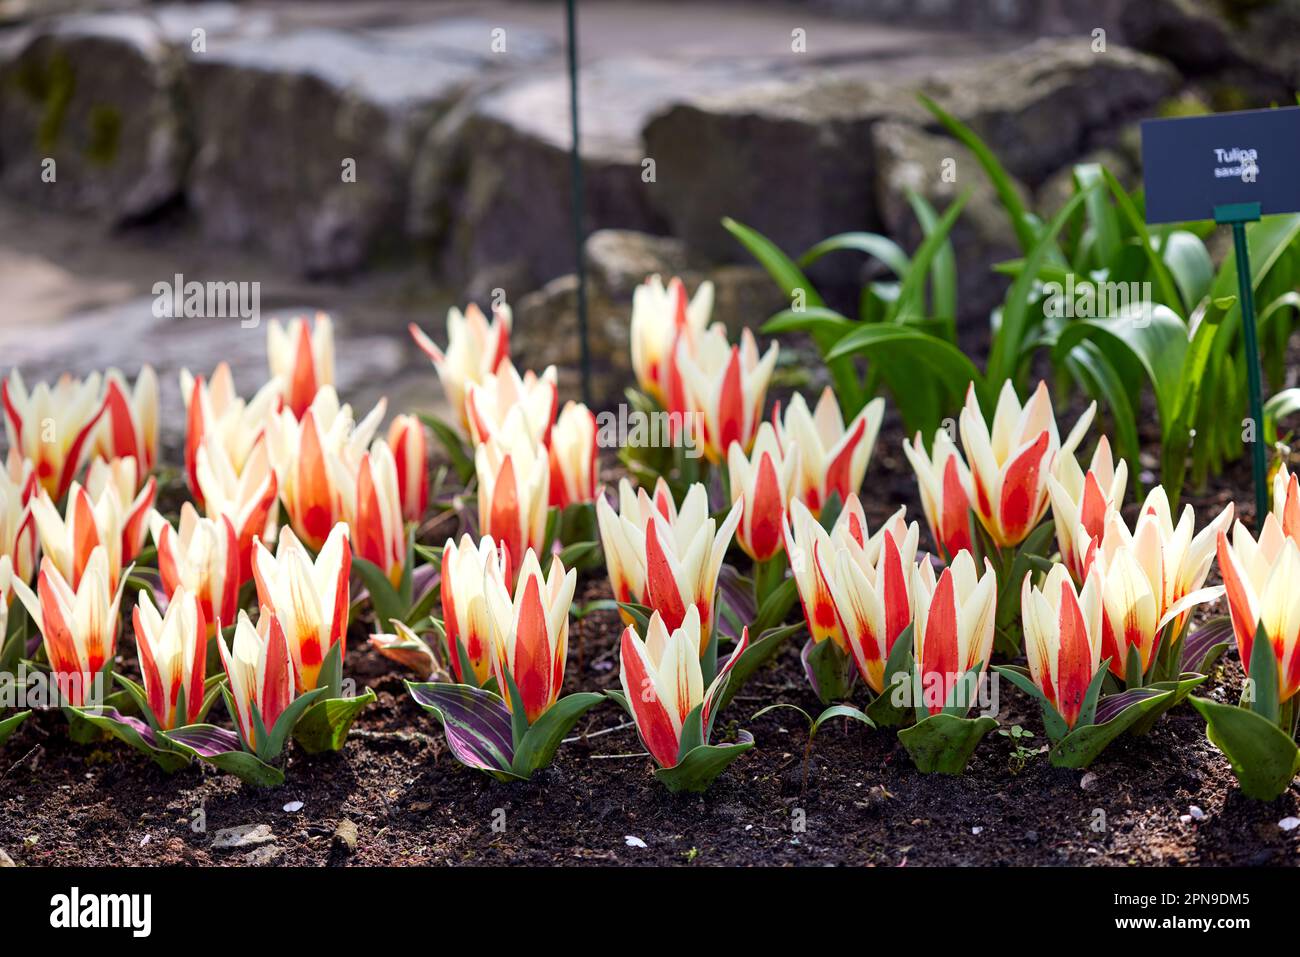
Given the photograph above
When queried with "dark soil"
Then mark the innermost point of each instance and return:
(1167, 798)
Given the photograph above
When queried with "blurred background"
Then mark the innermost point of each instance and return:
(384, 159)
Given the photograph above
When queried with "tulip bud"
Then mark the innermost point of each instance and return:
(119, 479)
(530, 635)
(213, 409)
(260, 673)
(573, 456)
(661, 319)
(301, 359)
(173, 653)
(1010, 465)
(129, 427)
(944, 483)
(69, 540)
(954, 630)
(201, 557)
(310, 599)
(407, 440)
(374, 512)
(833, 458)
(487, 403)
(465, 573)
(622, 538)
(1084, 501)
(52, 427)
(1260, 579)
(1062, 638)
(18, 539)
(763, 484)
(513, 488)
(245, 497)
(475, 348)
(725, 388)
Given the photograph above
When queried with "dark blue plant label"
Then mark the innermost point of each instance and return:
(1192, 164)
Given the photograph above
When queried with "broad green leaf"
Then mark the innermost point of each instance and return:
(1263, 757)
(698, 769)
(944, 743)
(873, 244)
(1080, 747)
(326, 724)
(10, 724)
(537, 749)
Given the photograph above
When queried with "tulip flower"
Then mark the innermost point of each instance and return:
(622, 538)
(246, 497)
(871, 591)
(1150, 578)
(465, 571)
(1010, 466)
(78, 624)
(213, 408)
(833, 458)
(513, 488)
(573, 456)
(661, 319)
(52, 427)
(1260, 578)
(725, 388)
(309, 598)
(315, 457)
(129, 427)
(18, 539)
(301, 359)
(69, 540)
(173, 652)
(663, 683)
(1286, 502)
(945, 484)
(530, 635)
(763, 483)
(373, 509)
(683, 558)
(811, 551)
(488, 402)
(260, 672)
(954, 627)
(1062, 638)
(1085, 500)
(200, 557)
(475, 348)
(119, 478)
(406, 439)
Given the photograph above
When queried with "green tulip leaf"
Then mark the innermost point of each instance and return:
(537, 748)
(944, 743)
(325, 725)
(1263, 757)
(1080, 747)
(701, 765)
(10, 724)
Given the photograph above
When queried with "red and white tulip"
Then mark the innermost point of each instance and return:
(764, 482)
(833, 458)
(1084, 500)
(945, 485)
(812, 550)
(684, 550)
(1011, 464)
(309, 598)
(213, 408)
(513, 488)
(119, 478)
(78, 624)
(465, 573)
(69, 540)
(475, 348)
(129, 427)
(662, 317)
(246, 497)
(1151, 577)
(663, 682)
(488, 402)
(260, 671)
(955, 623)
(373, 509)
(53, 428)
(200, 556)
(1062, 638)
(1260, 578)
(871, 586)
(18, 539)
(316, 457)
(573, 456)
(622, 538)
(173, 653)
(1286, 502)
(725, 388)
(530, 633)
(410, 449)
(301, 359)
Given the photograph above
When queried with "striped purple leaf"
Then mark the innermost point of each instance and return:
(206, 739)
(1110, 706)
(1197, 645)
(476, 723)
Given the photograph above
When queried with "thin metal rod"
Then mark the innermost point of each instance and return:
(579, 213)
(1254, 386)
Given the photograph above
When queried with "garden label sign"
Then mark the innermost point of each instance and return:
(1234, 168)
